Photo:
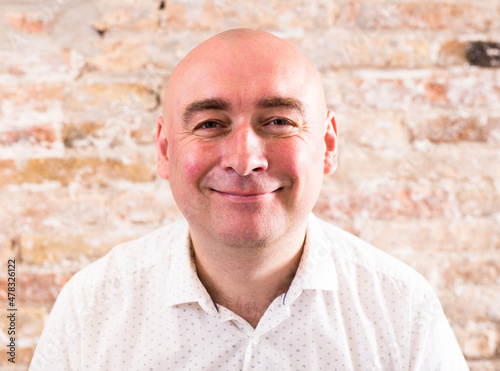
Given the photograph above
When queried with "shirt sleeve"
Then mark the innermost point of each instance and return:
(434, 345)
(59, 346)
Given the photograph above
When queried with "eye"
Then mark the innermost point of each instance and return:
(279, 126)
(209, 125)
(211, 128)
(280, 122)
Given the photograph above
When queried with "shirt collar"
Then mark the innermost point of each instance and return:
(182, 282)
(316, 269)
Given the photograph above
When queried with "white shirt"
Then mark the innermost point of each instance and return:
(349, 307)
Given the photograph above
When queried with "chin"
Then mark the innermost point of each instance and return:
(250, 232)
(246, 240)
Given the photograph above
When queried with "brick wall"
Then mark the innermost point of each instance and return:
(418, 108)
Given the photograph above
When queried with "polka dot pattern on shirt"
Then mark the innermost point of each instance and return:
(350, 307)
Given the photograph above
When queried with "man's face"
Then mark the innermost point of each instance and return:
(244, 145)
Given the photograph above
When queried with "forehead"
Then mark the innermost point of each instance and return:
(242, 71)
(242, 84)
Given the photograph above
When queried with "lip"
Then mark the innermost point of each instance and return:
(243, 196)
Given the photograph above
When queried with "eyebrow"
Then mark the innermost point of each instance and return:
(286, 102)
(221, 104)
(204, 105)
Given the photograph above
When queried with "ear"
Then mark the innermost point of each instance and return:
(162, 148)
(331, 142)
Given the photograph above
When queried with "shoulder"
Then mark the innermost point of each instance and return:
(153, 251)
(351, 254)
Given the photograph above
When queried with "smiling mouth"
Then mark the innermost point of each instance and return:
(244, 195)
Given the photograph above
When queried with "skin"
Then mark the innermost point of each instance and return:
(244, 140)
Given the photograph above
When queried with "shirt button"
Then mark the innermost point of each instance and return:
(287, 311)
(256, 341)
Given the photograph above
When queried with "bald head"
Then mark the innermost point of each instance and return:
(245, 139)
(240, 53)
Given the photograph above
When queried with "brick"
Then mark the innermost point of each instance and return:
(479, 198)
(472, 268)
(85, 138)
(299, 13)
(447, 270)
(48, 65)
(478, 303)
(451, 126)
(371, 128)
(480, 90)
(41, 287)
(67, 170)
(53, 209)
(494, 123)
(38, 96)
(28, 23)
(73, 134)
(7, 250)
(483, 54)
(74, 245)
(358, 48)
(459, 161)
(143, 132)
(123, 128)
(124, 95)
(119, 57)
(424, 161)
(383, 90)
(225, 14)
(335, 48)
(478, 340)
(28, 133)
(113, 18)
(33, 135)
(386, 204)
(140, 206)
(420, 15)
(420, 88)
(452, 53)
(175, 15)
(38, 248)
(132, 16)
(334, 91)
(358, 164)
(32, 323)
(489, 365)
(473, 234)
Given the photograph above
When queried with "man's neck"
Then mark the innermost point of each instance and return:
(246, 281)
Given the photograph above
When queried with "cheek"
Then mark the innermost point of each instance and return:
(299, 159)
(192, 163)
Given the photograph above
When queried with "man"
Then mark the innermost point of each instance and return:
(251, 279)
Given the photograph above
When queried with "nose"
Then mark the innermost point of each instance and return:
(243, 152)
